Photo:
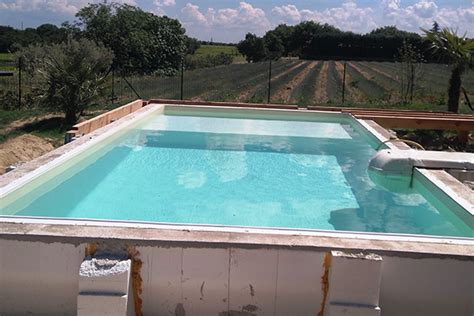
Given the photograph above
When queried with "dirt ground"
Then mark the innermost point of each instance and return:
(320, 92)
(21, 149)
(284, 93)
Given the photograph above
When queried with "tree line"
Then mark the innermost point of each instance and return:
(141, 42)
(312, 40)
(71, 62)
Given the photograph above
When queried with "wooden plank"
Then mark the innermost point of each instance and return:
(229, 104)
(387, 118)
(421, 123)
(102, 120)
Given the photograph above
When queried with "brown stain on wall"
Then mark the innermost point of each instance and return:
(91, 249)
(136, 279)
(325, 282)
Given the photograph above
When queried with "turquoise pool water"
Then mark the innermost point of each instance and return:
(242, 172)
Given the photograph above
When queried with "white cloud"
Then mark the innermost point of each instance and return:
(424, 12)
(287, 13)
(349, 16)
(60, 6)
(352, 17)
(193, 16)
(159, 4)
(164, 3)
(244, 17)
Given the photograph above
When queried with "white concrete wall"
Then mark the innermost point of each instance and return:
(213, 281)
(427, 287)
(42, 278)
(39, 278)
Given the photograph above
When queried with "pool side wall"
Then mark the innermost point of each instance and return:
(41, 276)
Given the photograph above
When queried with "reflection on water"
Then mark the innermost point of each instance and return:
(238, 179)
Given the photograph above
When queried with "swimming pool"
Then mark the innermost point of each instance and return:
(217, 168)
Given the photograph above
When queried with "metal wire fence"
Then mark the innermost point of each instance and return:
(286, 81)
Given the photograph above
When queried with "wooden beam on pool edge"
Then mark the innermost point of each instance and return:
(460, 125)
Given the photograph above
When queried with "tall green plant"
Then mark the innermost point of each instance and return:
(458, 51)
(411, 60)
(69, 75)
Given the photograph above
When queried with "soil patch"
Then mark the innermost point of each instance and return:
(284, 93)
(320, 92)
(245, 95)
(355, 94)
(21, 149)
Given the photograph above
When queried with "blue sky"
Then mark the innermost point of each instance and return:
(229, 20)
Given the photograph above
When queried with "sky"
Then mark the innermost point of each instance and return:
(229, 20)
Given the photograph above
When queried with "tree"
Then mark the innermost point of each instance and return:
(141, 41)
(253, 48)
(192, 45)
(274, 46)
(436, 28)
(410, 69)
(284, 33)
(72, 74)
(457, 51)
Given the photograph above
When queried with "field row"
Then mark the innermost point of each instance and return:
(309, 83)
(292, 81)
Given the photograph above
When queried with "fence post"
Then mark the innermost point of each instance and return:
(344, 83)
(113, 85)
(20, 65)
(182, 80)
(269, 81)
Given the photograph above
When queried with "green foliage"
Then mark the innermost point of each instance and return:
(312, 40)
(253, 48)
(457, 50)
(410, 70)
(142, 42)
(12, 39)
(205, 49)
(192, 45)
(206, 61)
(274, 45)
(70, 74)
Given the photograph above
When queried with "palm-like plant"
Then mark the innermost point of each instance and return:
(456, 50)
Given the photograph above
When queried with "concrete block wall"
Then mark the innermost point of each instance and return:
(40, 277)
(229, 281)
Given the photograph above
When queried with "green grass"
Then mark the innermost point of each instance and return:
(6, 57)
(217, 49)
(51, 128)
(8, 117)
(7, 62)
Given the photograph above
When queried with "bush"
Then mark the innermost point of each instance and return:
(70, 74)
(208, 61)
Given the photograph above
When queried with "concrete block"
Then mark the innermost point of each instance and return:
(161, 274)
(299, 283)
(102, 305)
(205, 281)
(104, 276)
(253, 280)
(352, 310)
(354, 278)
(105, 287)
